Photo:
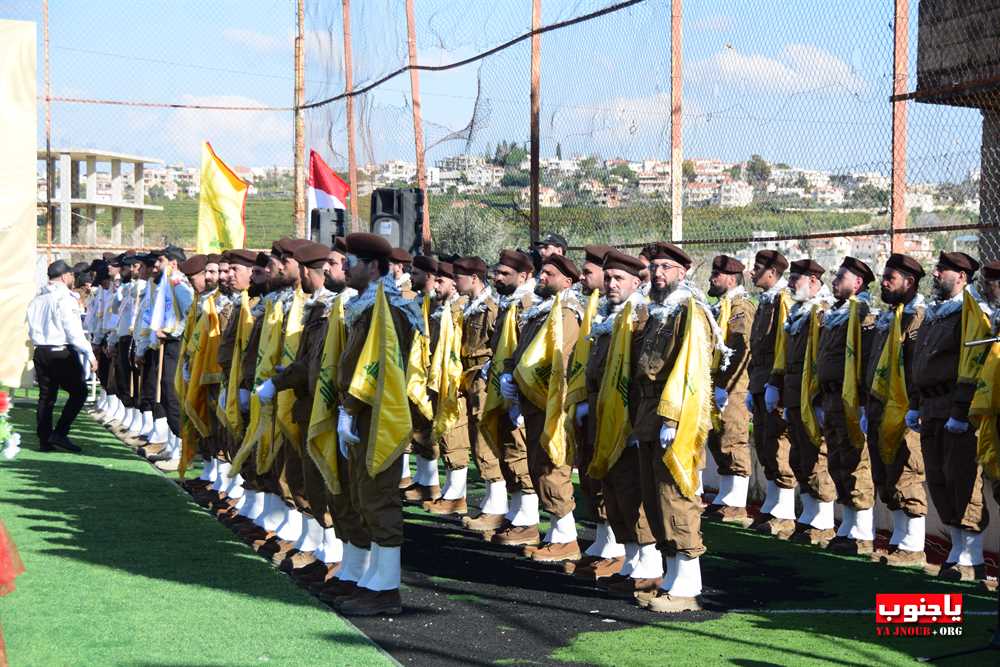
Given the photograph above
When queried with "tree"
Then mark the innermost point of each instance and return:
(157, 192)
(758, 170)
(624, 172)
(869, 196)
(515, 179)
(515, 156)
(558, 151)
(687, 171)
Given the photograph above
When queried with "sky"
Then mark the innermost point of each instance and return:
(803, 82)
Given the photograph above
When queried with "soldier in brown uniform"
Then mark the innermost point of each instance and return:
(425, 484)
(808, 459)
(551, 479)
(849, 463)
(900, 481)
(515, 289)
(640, 568)
(675, 518)
(990, 275)
(939, 410)
(478, 318)
(376, 498)
(729, 441)
(769, 436)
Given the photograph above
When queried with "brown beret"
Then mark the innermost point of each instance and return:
(858, 268)
(425, 264)
(262, 260)
(213, 258)
(958, 261)
(647, 251)
(771, 259)
(288, 247)
(727, 264)
(446, 270)
(470, 266)
(108, 256)
(807, 267)
(615, 259)
(241, 257)
(340, 245)
(400, 256)
(991, 270)
(664, 250)
(368, 246)
(517, 260)
(312, 255)
(564, 265)
(906, 264)
(193, 265)
(595, 254)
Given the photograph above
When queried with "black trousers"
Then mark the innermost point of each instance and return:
(127, 382)
(147, 400)
(168, 396)
(57, 369)
(103, 368)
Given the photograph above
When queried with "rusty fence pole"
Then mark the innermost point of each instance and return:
(352, 163)
(676, 140)
(300, 139)
(900, 75)
(418, 126)
(536, 106)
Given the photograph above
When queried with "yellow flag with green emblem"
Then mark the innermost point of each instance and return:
(204, 362)
(446, 365)
(285, 400)
(576, 381)
(379, 381)
(417, 364)
(495, 408)
(975, 326)
(686, 399)
(985, 410)
(232, 416)
(613, 425)
(850, 395)
(221, 203)
(541, 377)
(889, 387)
(321, 438)
(809, 391)
(781, 336)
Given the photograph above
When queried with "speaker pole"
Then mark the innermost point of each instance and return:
(418, 126)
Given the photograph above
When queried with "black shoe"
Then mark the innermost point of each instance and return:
(63, 442)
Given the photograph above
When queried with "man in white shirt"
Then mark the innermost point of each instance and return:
(60, 344)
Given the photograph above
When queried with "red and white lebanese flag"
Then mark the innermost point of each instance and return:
(325, 188)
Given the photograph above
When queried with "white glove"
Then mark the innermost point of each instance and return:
(346, 430)
(508, 387)
(484, 372)
(721, 398)
(186, 372)
(244, 399)
(222, 399)
(820, 415)
(956, 426)
(667, 435)
(266, 391)
(863, 421)
(771, 397)
(749, 402)
(514, 412)
(912, 420)
(582, 410)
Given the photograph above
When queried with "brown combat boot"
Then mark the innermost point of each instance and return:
(575, 566)
(664, 603)
(600, 569)
(406, 482)
(556, 552)
(517, 536)
(484, 523)
(958, 572)
(446, 507)
(783, 529)
(847, 546)
(372, 603)
(905, 559)
(418, 493)
(814, 536)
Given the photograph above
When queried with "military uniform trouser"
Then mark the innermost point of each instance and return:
(126, 384)
(809, 461)
(514, 457)
(771, 440)
(592, 489)
(316, 492)
(900, 482)
(730, 445)
(954, 476)
(346, 515)
(456, 445)
(376, 498)
(487, 461)
(291, 477)
(674, 518)
(149, 379)
(623, 500)
(422, 443)
(553, 483)
(850, 466)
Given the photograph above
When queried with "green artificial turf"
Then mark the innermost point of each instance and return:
(123, 569)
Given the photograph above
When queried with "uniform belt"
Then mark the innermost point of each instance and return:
(51, 348)
(935, 391)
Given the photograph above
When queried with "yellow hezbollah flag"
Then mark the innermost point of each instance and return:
(541, 377)
(686, 399)
(975, 326)
(852, 376)
(418, 363)
(321, 441)
(260, 429)
(289, 350)
(494, 408)
(203, 363)
(985, 410)
(220, 205)
(446, 368)
(809, 390)
(232, 416)
(725, 312)
(781, 336)
(889, 387)
(576, 381)
(380, 381)
(613, 424)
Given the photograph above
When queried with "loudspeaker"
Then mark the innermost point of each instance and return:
(397, 215)
(325, 223)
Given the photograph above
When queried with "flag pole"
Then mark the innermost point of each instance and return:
(300, 139)
(352, 163)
